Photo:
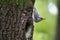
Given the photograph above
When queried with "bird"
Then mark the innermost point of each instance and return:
(36, 17)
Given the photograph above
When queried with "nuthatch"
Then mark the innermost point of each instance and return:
(36, 16)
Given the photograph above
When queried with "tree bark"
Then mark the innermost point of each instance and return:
(16, 19)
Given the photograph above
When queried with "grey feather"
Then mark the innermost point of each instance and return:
(36, 17)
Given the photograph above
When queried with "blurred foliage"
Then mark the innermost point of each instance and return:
(46, 29)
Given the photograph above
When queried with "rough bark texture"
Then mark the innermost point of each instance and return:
(15, 19)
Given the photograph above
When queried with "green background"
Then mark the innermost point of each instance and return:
(46, 29)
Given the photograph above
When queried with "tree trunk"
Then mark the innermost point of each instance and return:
(16, 19)
(58, 23)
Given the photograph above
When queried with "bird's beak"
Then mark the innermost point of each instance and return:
(41, 19)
